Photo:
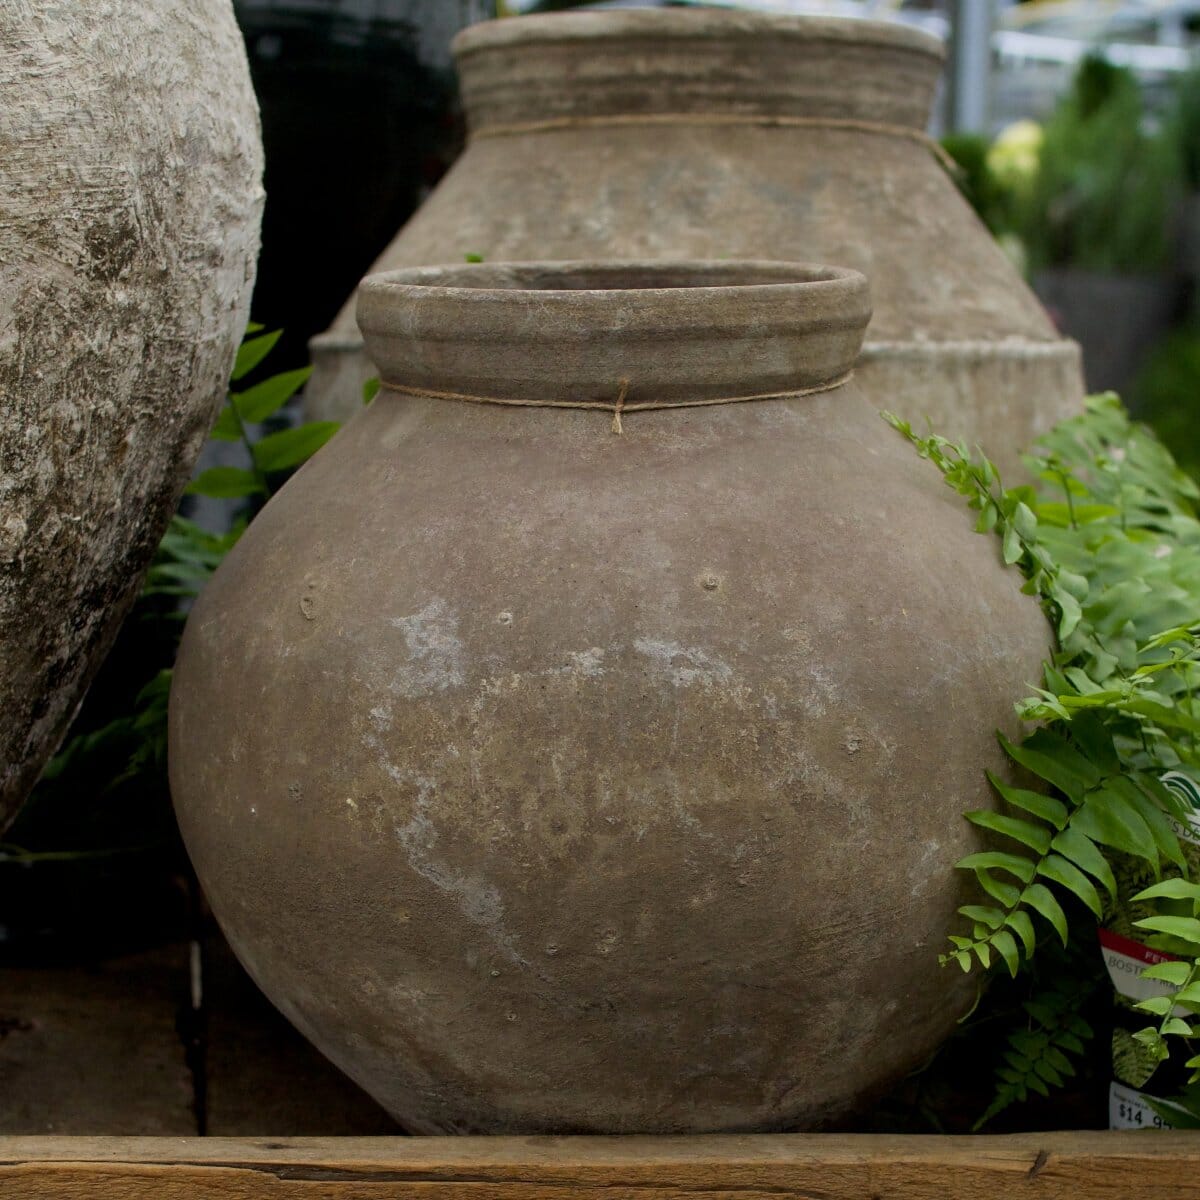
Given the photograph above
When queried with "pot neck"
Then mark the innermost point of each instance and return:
(728, 64)
(584, 334)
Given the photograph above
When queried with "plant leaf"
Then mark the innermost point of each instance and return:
(225, 483)
(257, 403)
(252, 351)
(1042, 901)
(1036, 837)
(1053, 812)
(994, 860)
(1080, 850)
(278, 451)
(1057, 869)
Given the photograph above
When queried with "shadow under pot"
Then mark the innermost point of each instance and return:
(557, 768)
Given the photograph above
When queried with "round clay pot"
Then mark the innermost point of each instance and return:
(557, 779)
(132, 201)
(724, 135)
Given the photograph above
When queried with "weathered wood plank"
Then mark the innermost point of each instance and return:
(1058, 1166)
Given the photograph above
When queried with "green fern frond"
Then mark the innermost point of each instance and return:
(1039, 1053)
(1058, 842)
(1115, 563)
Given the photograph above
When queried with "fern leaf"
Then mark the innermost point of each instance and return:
(1059, 870)
(1042, 901)
(1038, 1052)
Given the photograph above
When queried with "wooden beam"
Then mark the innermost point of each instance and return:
(1056, 1166)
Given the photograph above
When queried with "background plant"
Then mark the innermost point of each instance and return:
(1105, 191)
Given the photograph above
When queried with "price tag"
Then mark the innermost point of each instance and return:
(1130, 1109)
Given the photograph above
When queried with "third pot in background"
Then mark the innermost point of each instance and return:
(709, 134)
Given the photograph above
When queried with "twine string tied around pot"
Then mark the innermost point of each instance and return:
(617, 407)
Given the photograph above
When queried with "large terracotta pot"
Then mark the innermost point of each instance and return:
(674, 134)
(128, 233)
(553, 778)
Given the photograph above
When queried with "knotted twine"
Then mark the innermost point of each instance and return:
(618, 406)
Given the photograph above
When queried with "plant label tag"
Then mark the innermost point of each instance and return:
(1130, 1109)
(1126, 960)
(1186, 789)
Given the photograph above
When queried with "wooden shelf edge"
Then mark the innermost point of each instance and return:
(1062, 1166)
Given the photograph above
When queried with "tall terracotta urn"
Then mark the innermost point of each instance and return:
(129, 220)
(718, 135)
(579, 742)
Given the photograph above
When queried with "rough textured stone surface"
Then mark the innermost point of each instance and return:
(129, 222)
(956, 335)
(551, 779)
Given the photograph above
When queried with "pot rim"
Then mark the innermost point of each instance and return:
(677, 330)
(707, 24)
(579, 69)
(726, 275)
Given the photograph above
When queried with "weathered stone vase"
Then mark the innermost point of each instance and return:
(129, 221)
(555, 778)
(722, 135)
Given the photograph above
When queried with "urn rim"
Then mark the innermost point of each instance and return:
(581, 68)
(677, 331)
(697, 24)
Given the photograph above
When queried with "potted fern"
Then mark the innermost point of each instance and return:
(1093, 874)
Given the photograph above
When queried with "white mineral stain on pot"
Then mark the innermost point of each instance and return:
(479, 901)
(435, 650)
(684, 665)
(586, 662)
(930, 870)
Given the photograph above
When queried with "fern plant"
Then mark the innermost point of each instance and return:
(1108, 539)
(1039, 1050)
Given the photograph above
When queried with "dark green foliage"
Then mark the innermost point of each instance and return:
(1185, 127)
(1109, 540)
(270, 453)
(1182, 1111)
(982, 190)
(1041, 1048)
(1166, 396)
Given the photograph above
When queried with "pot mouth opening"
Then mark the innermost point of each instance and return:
(632, 278)
(676, 331)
